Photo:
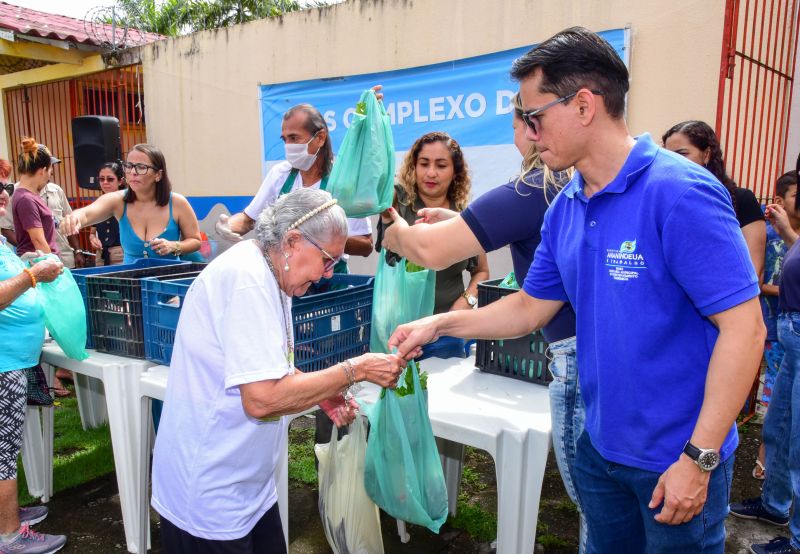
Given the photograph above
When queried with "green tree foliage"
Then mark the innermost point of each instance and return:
(180, 17)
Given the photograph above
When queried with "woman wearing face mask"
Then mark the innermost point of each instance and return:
(309, 159)
(154, 222)
(105, 235)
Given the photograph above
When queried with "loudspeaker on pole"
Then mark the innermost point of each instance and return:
(96, 140)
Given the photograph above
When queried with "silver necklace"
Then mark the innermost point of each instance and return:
(286, 315)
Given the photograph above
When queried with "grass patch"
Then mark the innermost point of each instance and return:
(472, 479)
(552, 541)
(480, 524)
(78, 456)
(301, 456)
(567, 506)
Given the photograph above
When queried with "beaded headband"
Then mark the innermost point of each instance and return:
(312, 213)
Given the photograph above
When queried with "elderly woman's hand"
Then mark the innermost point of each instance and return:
(381, 369)
(341, 411)
(47, 270)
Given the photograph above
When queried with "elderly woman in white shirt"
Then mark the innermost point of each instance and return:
(232, 378)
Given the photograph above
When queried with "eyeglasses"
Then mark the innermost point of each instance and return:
(138, 169)
(8, 187)
(531, 118)
(106, 179)
(328, 260)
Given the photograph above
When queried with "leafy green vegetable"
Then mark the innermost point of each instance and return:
(413, 268)
(406, 387)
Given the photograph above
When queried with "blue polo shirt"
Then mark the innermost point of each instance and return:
(644, 262)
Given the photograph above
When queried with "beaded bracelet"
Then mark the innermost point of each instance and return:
(32, 276)
(347, 366)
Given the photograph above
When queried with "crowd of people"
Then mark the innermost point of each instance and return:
(611, 237)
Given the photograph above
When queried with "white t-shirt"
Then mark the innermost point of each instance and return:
(213, 464)
(271, 188)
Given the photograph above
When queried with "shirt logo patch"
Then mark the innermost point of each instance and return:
(625, 263)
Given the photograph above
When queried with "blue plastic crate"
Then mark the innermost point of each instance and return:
(162, 300)
(332, 321)
(81, 274)
(115, 307)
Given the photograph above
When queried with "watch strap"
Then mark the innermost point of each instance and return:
(692, 451)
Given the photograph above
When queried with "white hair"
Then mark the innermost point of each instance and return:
(275, 221)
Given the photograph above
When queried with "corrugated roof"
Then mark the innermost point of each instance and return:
(25, 21)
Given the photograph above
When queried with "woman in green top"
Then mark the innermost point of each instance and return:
(434, 174)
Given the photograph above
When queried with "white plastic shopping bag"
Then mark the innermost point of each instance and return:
(349, 517)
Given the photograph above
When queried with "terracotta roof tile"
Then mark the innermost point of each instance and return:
(25, 21)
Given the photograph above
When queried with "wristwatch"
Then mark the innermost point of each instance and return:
(471, 300)
(707, 459)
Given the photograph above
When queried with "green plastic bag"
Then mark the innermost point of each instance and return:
(402, 470)
(510, 282)
(65, 314)
(362, 178)
(401, 294)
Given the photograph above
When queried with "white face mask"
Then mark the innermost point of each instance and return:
(298, 156)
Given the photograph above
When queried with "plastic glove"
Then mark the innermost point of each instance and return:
(224, 229)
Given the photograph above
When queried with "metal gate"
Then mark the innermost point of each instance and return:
(45, 112)
(759, 50)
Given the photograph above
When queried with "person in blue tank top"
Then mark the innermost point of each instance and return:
(154, 222)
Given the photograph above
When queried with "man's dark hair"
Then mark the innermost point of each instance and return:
(577, 58)
(785, 181)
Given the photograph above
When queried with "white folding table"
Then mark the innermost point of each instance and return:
(509, 419)
(120, 378)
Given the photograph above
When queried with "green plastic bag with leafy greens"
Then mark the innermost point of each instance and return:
(402, 293)
(65, 314)
(362, 178)
(402, 470)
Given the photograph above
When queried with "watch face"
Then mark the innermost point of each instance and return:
(708, 460)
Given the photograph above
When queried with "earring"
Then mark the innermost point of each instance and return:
(286, 266)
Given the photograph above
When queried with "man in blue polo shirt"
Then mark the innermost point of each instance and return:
(646, 248)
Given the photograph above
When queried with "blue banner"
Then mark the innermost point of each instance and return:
(469, 98)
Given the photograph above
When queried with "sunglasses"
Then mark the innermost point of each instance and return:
(328, 260)
(8, 187)
(531, 118)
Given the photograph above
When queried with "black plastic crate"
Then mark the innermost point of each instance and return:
(524, 358)
(115, 307)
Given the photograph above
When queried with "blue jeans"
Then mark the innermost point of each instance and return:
(781, 423)
(567, 415)
(615, 498)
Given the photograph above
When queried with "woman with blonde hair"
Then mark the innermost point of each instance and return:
(509, 215)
